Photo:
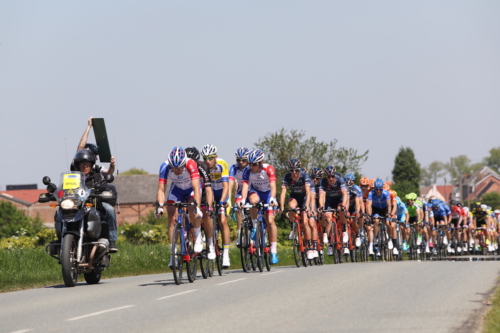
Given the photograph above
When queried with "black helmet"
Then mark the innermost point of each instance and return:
(193, 153)
(92, 147)
(330, 171)
(84, 155)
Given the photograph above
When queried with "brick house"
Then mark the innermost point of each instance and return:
(27, 201)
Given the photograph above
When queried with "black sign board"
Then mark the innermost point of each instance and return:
(101, 139)
(22, 187)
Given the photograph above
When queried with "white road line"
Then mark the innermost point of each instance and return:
(101, 312)
(23, 331)
(186, 292)
(220, 284)
(271, 273)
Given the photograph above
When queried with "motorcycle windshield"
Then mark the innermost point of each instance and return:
(72, 186)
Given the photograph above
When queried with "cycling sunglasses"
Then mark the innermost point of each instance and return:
(254, 164)
(379, 189)
(209, 158)
(294, 170)
(241, 160)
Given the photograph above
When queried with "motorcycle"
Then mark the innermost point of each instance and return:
(82, 245)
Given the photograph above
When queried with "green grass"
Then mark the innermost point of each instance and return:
(32, 268)
(492, 318)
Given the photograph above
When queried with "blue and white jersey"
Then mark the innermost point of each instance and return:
(379, 201)
(354, 192)
(401, 209)
(439, 211)
(236, 174)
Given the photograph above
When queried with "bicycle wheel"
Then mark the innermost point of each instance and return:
(245, 249)
(267, 250)
(296, 246)
(218, 252)
(176, 255)
(192, 261)
(259, 246)
(202, 257)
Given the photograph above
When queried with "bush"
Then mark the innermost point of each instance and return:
(142, 233)
(12, 220)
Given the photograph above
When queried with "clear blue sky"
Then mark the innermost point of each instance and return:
(376, 75)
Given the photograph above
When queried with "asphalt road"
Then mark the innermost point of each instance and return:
(361, 297)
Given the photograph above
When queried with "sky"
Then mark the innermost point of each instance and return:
(375, 76)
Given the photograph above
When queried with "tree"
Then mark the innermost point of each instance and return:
(491, 199)
(432, 173)
(134, 171)
(13, 220)
(284, 145)
(461, 165)
(406, 172)
(493, 161)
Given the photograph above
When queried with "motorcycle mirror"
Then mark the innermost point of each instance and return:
(51, 188)
(46, 180)
(109, 178)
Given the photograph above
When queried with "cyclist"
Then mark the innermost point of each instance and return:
(379, 202)
(355, 205)
(416, 215)
(457, 217)
(219, 172)
(333, 195)
(235, 177)
(440, 218)
(316, 176)
(481, 218)
(259, 185)
(300, 196)
(393, 195)
(182, 173)
(207, 198)
(402, 216)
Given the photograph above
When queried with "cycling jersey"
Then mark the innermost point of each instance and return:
(236, 174)
(259, 181)
(219, 174)
(456, 212)
(379, 201)
(182, 181)
(335, 190)
(447, 209)
(480, 216)
(413, 209)
(354, 192)
(206, 181)
(297, 186)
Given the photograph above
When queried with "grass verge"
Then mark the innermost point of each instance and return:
(492, 318)
(32, 268)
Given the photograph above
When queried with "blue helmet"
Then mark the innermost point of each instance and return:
(294, 164)
(242, 153)
(435, 203)
(349, 178)
(316, 173)
(330, 171)
(378, 184)
(177, 157)
(256, 156)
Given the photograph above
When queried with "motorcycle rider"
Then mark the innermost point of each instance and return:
(84, 161)
(83, 144)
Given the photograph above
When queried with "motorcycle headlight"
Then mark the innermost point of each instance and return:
(67, 204)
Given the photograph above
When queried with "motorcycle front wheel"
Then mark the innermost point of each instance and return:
(92, 277)
(68, 261)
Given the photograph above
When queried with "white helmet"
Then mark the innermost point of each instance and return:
(484, 207)
(208, 150)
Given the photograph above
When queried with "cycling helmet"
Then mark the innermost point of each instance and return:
(84, 155)
(303, 170)
(92, 147)
(378, 184)
(483, 207)
(330, 171)
(256, 156)
(349, 178)
(435, 203)
(386, 187)
(466, 209)
(453, 202)
(316, 173)
(459, 204)
(193, 153)
(294, 164)
(242, 153)
(496, 211)
(177, 157)
(338, 174)
(208, 150)
(364, 181)
(411, 196)
(372, 182)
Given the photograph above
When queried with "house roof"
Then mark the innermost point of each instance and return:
(136, 188)
(29, 196)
